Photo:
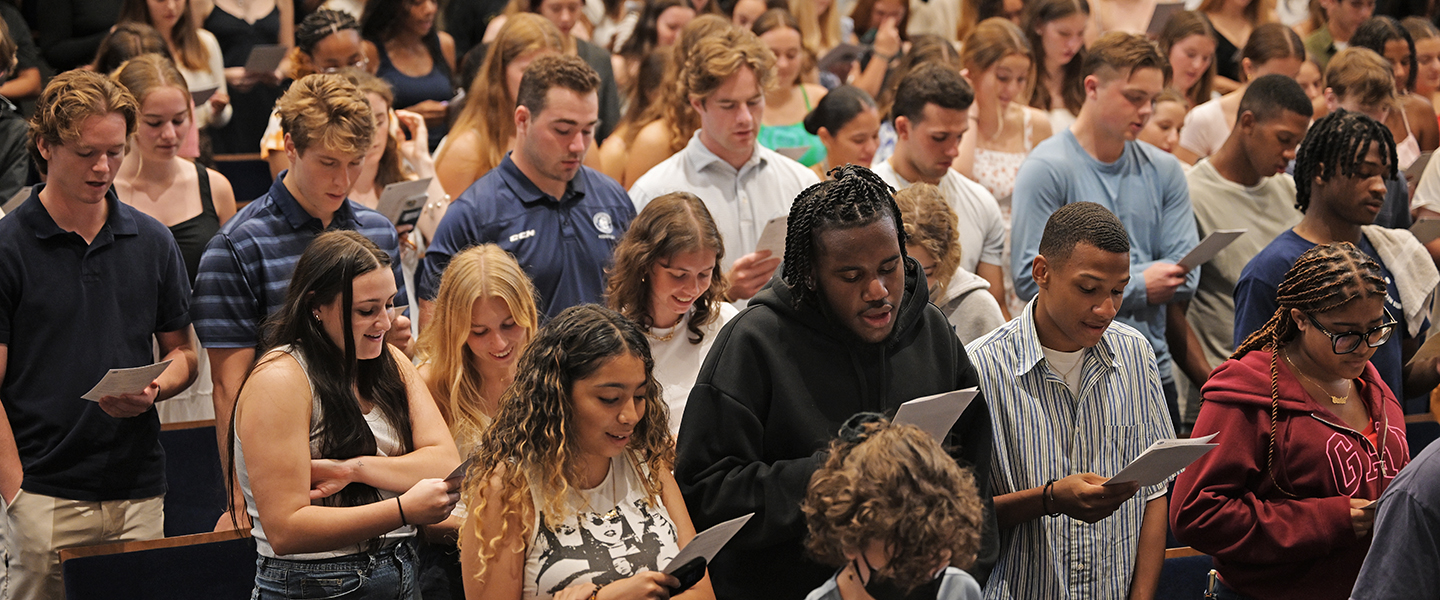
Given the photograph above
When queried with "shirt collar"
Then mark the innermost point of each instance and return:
(117, 221)
(1029, 353)
(527, 192)
(296, 215)
(702, 158)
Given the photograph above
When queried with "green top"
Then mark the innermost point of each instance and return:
(794, 135)
(1321, 46)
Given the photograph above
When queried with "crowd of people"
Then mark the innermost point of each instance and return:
(663, 264)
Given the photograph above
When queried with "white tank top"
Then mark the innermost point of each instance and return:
(610, 534)
(387, 443)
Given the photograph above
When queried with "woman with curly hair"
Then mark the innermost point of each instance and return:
(1309, 435)
(894, 513)
(932, 238)
(571, 494)
(667, 277)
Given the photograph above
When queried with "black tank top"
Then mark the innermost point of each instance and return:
(193, 234)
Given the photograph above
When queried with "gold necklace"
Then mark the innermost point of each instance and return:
(1333, 398)
(664, 338)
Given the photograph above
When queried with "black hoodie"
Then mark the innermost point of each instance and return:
(772, 394)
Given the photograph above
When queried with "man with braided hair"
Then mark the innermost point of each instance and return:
(1061, 378)
(1340, 174)
(1308, 433)
(846, 328)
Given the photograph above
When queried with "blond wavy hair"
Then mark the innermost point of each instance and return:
(719, 56)
(531, 444)
(327, 109)
(896, 485)
(672, 107)
(70, 99)
(931, 224)
(480, 272)
(488, 111)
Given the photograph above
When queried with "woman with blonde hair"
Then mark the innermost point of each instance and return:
(667, 278)
(894, 513)
(819, 24)
(196, 53)
(1188, 43)
(485, 129)
(186, 197)
(790, 99)
(571, 493)
(1001, 66)
(483, 317)
(932, 238)
(671, 121)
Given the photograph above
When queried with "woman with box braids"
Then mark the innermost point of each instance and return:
(1307, 432)
(855, 196)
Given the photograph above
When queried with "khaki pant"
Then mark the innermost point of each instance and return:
(38, 527)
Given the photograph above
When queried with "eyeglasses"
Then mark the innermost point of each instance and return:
(360, 64)
(1349, 341)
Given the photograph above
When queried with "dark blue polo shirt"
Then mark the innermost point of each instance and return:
(69, 312)
(245, 271)
(564, 245)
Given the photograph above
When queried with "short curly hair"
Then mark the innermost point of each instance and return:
(893, 484)
(931, 224)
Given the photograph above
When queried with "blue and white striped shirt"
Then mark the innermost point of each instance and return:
(1042, 432)
(246, 268)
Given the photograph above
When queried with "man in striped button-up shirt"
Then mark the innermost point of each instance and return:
(1074, 397)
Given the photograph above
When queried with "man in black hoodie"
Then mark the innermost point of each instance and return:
(845, 329)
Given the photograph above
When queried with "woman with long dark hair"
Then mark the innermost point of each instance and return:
(337, 442)
(414, 56)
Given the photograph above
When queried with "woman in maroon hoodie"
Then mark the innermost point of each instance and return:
(1309, 435)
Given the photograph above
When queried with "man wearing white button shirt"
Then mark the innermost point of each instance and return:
(742, 183)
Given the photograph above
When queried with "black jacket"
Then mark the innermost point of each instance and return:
(772, 394)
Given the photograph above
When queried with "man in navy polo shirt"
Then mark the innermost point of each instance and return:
(85, 282)
(246, 267)
(560, 219)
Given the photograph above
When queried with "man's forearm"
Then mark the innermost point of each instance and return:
(11, 472)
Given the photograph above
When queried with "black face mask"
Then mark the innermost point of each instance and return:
(882, 588)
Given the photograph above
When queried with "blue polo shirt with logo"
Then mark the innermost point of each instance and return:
(563, 244)
(69, 312)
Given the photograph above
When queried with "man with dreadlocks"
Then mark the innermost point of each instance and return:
(1061, 379)
(1340, 174)
(1308, 433)
(847, 328)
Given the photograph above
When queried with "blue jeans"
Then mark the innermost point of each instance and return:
(384, 574)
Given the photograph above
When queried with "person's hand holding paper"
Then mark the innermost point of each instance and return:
(1085, 496)
(124, 406)
(125, 393)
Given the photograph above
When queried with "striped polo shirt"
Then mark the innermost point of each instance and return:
(246, 267)
(1043, 432)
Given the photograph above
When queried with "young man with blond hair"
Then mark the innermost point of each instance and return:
(86, 283)
(1099, 160)
(246, 268)
(743, 183)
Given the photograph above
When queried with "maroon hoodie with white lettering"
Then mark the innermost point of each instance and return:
(1267, 544)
